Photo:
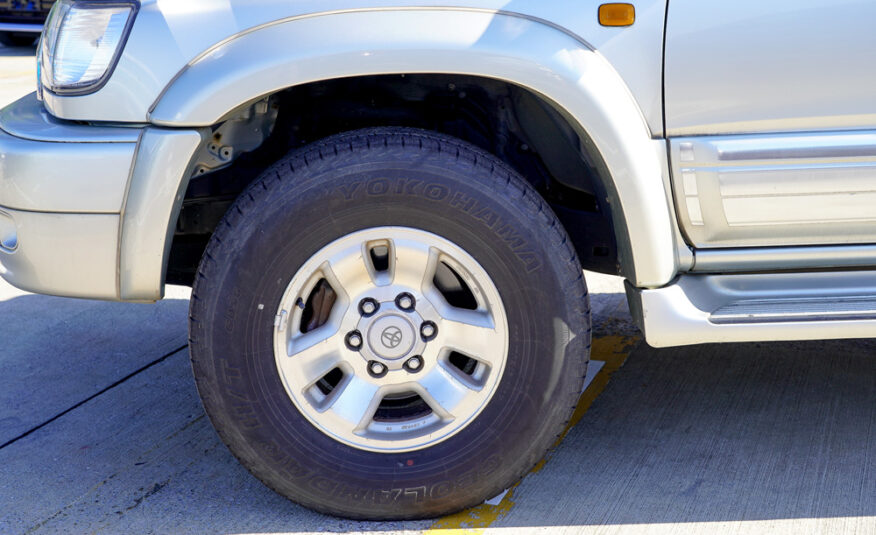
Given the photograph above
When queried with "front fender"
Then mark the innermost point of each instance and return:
(562, 68)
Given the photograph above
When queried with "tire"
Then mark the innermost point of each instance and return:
(395, 192)
(17, 39)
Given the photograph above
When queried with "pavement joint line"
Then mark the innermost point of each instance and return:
(613, 350)
(93, 396)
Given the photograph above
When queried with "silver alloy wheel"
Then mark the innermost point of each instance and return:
(399, 362)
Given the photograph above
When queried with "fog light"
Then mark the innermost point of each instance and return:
(8, 233)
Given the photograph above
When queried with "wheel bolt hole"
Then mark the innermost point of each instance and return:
(405, 301)
(428, 330)
(376, 369)
(354, 340)
(368, 307)
(414, 364)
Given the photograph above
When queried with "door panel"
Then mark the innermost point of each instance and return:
(748, 66)
(771, 114)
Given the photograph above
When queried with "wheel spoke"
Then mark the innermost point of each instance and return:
(313, 354)
(357, 403)
(472, 333)
(414, 264)
(445, 394)
(348, 274)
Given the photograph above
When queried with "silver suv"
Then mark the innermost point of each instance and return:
(384, 208)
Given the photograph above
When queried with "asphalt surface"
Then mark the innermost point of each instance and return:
(101, 430)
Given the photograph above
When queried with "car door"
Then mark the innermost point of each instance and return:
(770, 107)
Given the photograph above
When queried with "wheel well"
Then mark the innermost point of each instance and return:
(515, 124)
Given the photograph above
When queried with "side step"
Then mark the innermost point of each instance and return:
(762, 307)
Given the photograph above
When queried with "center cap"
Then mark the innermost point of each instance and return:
(391, 337)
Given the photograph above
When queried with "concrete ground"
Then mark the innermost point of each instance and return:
(101, 431)
(17, 73)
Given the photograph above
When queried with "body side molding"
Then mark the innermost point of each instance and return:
(776, 190)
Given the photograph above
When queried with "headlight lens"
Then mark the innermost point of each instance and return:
(81, 43)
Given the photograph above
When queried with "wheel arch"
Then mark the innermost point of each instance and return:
(539, 57)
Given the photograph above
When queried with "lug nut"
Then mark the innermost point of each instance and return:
(368, 306)
(376, 369)
(405, 301)
(414, 364)
(354, 340)
(428, 330)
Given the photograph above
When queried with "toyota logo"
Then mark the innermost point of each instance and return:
(391, 337)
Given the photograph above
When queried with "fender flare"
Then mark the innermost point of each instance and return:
(562, 68)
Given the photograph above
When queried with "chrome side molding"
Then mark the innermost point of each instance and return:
(796, 309)
(784, 258)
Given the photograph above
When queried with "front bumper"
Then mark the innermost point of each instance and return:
(72, 255)
(86, 211)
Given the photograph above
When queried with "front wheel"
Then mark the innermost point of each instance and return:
(389, 324)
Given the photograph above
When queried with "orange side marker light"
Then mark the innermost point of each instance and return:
(617, 14)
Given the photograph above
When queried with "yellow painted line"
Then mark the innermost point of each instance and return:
(613, 350)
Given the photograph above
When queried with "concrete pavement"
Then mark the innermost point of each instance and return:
(17, 73)
(101, 431)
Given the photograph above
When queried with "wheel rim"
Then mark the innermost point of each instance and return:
(391, 339)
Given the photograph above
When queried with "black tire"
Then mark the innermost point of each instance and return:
(389, 177)
(17, 39)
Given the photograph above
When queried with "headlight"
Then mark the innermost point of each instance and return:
(81, 43)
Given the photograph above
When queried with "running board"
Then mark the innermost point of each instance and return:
(699, 309)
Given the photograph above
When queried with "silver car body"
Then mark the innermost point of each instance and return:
(737, 143)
